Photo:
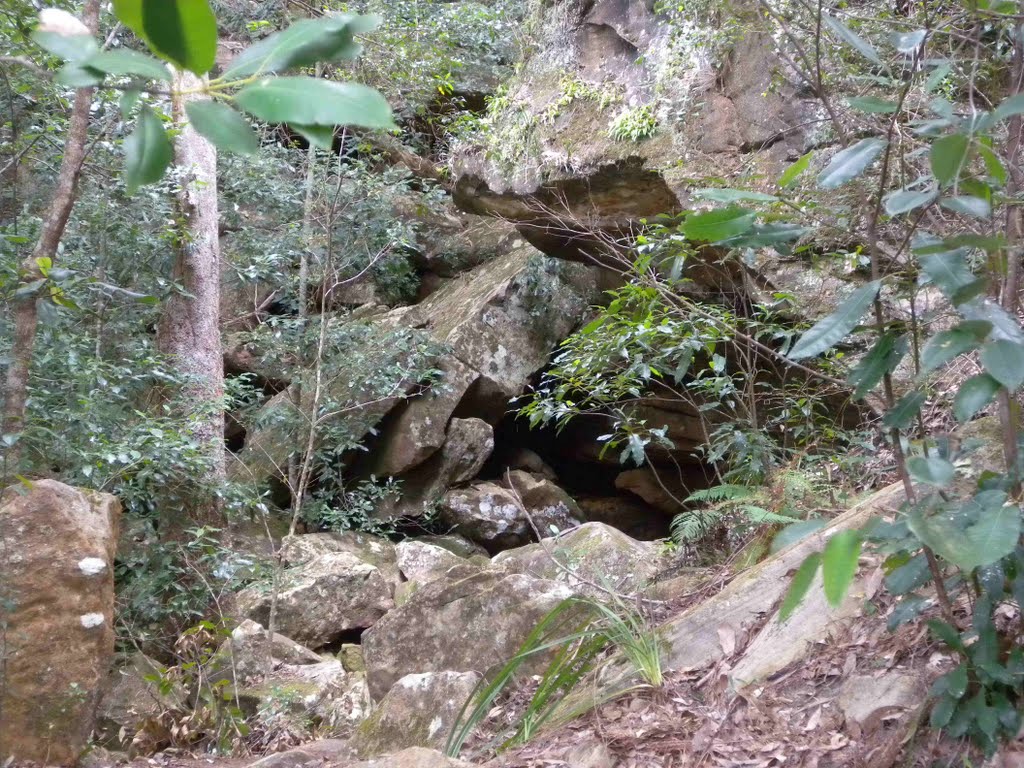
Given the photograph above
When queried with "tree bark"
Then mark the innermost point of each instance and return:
(23, 309)
(189, 329)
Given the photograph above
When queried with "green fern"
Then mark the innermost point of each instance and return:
(730, 499)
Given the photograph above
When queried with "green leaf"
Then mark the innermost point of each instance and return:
(184, 32)
(850, 163)
(904, 200)
(904, 411)
(907, 42)
(973, 395)
(78, 76)
(1010, 107)
(328, 38)
(993, 165)
(883, 358)
(128, 62)
(74, 48)
(311, 101)
(851, 38)
(1004, 325)
(320, 136)
(719, 224)
(948, 270)
(764, 235)
(802, 580)
(127, 103)
(1004, 360)
(968, 205)
(147, 151)
(956, 682)
(227, 130)
(872, 105)
(732, 195)
(795, 532)
(984, 530)
(791, 174)
(945, 346)
(931, 470)
(828, 332)
(839, 564)
(948, 156)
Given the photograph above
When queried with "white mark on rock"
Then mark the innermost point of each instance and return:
(435, 725)
(91, 620)
(91, 566)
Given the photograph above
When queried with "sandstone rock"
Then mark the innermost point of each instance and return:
(491, 515)
(246, 656)
(321, 599)
(375, 550)
(592, 554)
(457, 545)
(542, 498)
(128, 700)
(529, 461)
(422, 562)
(866, 699)
(57, 605)
(419, 711)
(351, 657)
(321, 694)
(657, 489)
(418, 427)
(468, 624)
(316, 753)
(467, 446)
(414, 757)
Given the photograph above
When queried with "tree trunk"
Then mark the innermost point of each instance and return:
(55, 221)
(189, 329)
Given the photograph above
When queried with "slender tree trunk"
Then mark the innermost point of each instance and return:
(55, 221)
(189, 329)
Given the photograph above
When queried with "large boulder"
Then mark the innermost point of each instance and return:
(56, 611)
(375, 550)
(422, 562)
(250, 654)
(467, 624)
(322, 599)
(131, 697)
(414, 757)
(419, 711)
(592, 559)
(494, 517)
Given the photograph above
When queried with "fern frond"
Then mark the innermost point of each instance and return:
(724, 492)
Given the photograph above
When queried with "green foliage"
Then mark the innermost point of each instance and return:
(634, 124)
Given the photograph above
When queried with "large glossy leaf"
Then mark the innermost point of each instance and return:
(128, 62)
(945, 346)
(311, 101)
(1004, 325)
(802, 581)
(719, 195)
(328, 38)
(1004, 361)
(795, 532)
(790, 175)
(839, 564)
(905, 200)
(184, 32)
(719, 224)
(1014, 105)
(968, 205)
(904, 411)
(73, 48)
(224, 127)
(979, 532)
(320, 136)
(764, 235)
(948, 270)
(883, 358)
(851, 38)
(78, 76)
(948, 156)
(830, 331)
(872, 105)
(850, 163)
(147, 151)
(973, 395)
(931, 470)
(907, 42)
